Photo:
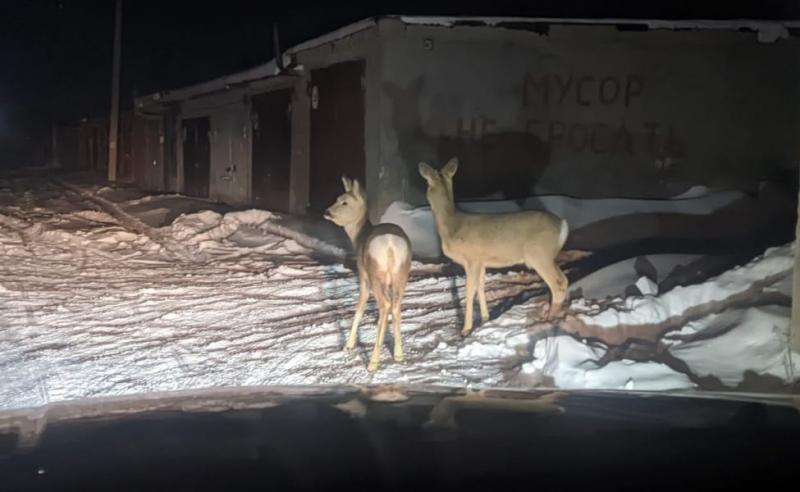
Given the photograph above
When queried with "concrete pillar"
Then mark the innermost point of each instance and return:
(372, 124)
(300, 171)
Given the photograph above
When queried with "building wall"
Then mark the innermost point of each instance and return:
(583, 110)
(94, 144)
(231, 124)
(85, 145)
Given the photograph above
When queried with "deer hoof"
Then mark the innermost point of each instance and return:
(349, 347)
(399, 357)
(373, 366)
(465, 332)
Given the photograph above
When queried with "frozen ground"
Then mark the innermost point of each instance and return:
(109, 292)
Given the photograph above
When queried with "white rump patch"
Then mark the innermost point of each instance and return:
(563, 233)
(388, 251)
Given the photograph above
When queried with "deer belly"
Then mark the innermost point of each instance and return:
(489, 254)
(389, 253)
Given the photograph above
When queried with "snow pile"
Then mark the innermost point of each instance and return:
(92, 231)
(646, 286)
(209, 227)
(573, 364)
(734, 324)
(420, 226)
(614, 280)
(770, 268)
(724, 345)
(254, 230)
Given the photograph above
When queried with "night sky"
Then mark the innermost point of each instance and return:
(56, 54)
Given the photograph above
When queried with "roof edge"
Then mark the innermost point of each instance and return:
(768, 31)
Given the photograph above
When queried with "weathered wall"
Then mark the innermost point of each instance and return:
(587, 111)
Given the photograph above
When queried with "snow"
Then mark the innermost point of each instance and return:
(754, 338)
(646, 286)
(573, 364)
(726, 344)
(98, 298)
(106, 310)
(693, 192)
(419, 224)
(768, 31)
(614, 279)
(775, 264)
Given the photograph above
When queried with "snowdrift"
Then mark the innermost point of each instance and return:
(728, 332)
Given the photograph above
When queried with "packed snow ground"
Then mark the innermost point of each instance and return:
(108, 292)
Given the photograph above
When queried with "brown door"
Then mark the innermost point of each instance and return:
(146, 153)
(272, 134)
(170, 151)
(337, 131)
(196, 156)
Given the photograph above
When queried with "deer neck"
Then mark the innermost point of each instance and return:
(446, 219)
(357, 229)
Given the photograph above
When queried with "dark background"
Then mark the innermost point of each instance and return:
(55, 55)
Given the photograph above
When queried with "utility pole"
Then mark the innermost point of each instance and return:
(114, 118)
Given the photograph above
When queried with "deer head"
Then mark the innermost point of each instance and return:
(350, 208)
(440, 184)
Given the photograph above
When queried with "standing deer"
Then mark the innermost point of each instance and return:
(480, 241)
(383, 257)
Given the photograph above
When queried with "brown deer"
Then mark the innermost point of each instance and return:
(480, 241)
(383, 257)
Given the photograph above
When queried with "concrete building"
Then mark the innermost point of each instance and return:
(581, 107)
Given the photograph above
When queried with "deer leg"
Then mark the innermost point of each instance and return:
(376, 352)
(398, 293)
(363, 296)
(472, 281)
(482, 294)
(398, 341)
(554, 278)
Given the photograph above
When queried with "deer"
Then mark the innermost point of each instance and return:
(383, 257)
(481, 241)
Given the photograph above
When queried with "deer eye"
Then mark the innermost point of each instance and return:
(344, 202)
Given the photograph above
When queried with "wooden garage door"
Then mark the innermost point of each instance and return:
(272, 134)
(337, 130)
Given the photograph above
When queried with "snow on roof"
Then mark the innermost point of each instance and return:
(768, 31)
(260, 72)
(779, 29)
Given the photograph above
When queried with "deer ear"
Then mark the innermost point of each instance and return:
(348, 184)
(356, 189)
(426, 171)
(449, 169)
